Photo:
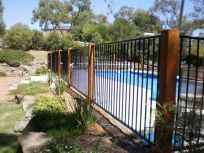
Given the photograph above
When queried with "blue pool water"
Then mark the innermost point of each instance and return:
(144, 81)
(141, 80)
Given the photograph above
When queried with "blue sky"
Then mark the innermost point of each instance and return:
(16, 11)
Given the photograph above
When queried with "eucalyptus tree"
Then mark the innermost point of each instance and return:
(52, 13)
(2, 24)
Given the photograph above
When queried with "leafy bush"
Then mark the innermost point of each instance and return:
(32, 88)
(193, 59)
(48, 105)
(37, 40)
(19, 37)
(60, 86)
(3, 74)
(67, 41)
(15, 57)
(41, 70)
(53, 41)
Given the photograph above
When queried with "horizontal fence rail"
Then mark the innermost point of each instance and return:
(189, 120)
(126, 81)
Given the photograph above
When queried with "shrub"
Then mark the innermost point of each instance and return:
(3, 74)
(193, 59)
(60, 87)
(41, 70)
(19, 37)
(48, 105)
(15, 57)
(67, 41)
(53, 41)
(37, 40)
(32, 88)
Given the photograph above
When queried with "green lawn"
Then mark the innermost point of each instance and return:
(32, 88)
(10, 113)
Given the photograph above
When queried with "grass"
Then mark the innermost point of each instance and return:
(10, 113)
(39, 55)
(15, 57)
(32, 88)
(41, 71)
(3, 74)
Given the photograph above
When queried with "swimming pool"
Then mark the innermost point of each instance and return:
(148, 81)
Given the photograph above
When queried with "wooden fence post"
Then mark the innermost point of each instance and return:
(91, 72)
(68, 67)
(169, 57)
(59, 64)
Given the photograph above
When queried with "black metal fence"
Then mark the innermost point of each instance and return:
(189, 120)
(126, 85)
(126, 82)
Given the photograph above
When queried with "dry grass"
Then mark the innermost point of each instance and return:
(39, 55)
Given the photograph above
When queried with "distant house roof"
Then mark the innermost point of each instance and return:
(60, 28)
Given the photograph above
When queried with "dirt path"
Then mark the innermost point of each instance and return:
(5, 82)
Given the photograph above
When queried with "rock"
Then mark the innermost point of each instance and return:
(19, 98)
(25, 81)
(29, 114)
(42, 78)
(13, 87)
(20, 125)
(32, 141)
(95, 129)
(27, 102)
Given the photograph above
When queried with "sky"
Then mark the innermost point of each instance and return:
(16, 11)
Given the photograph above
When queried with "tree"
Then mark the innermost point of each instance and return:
(2, 24)
(37, 40)
(168, 11)
(19, 37)
(122, 29)
(81, 12)
(52, 12)
(146, 22)
(53, 41)
(67, 41)
(95, 32)
(125, 12)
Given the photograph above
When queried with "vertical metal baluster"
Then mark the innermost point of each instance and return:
(138, 79)
(186, 100)
(133, 99)
(147, 81)
(130, 84)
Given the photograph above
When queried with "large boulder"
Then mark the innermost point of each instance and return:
(27, 102)
(32, 141)
(21, 125)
